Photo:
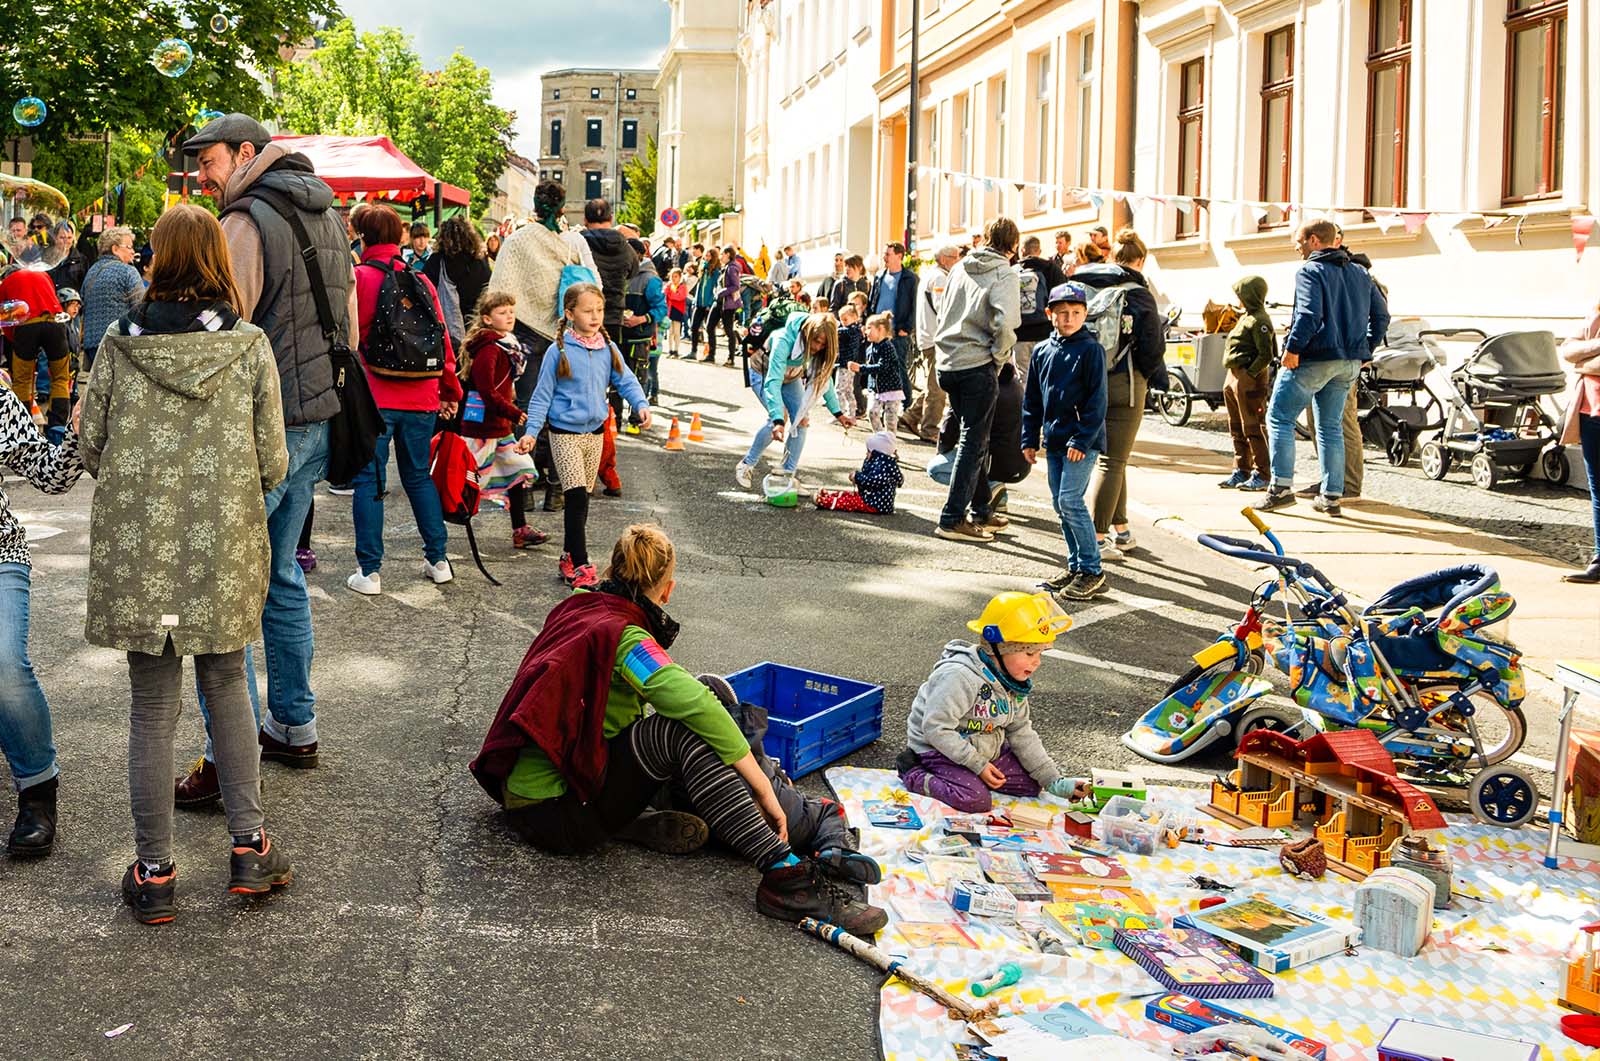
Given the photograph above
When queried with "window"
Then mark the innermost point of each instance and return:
(557, 94)
(555, 136)
(1191, 118)
(1041, 127)
(594, 132)
(1002, 162)
(1277, 105)
(1085, 105)
(1536, 72)
(622, 193)
(594, 93)
(963, 189)
(630, 133)
(555, 175)
(591, 184)
(929, 218)
(632, 93)
(1388, 78)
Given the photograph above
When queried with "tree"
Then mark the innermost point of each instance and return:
(375, 84)
(88, 60)
(79, 170)
(706, 208)
(639, 177)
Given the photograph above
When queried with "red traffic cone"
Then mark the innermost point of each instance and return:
(674, 437)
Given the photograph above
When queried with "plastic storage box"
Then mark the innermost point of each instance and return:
(1138, 826)
(812, 718)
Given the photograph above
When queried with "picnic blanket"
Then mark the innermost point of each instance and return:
(1494, 962)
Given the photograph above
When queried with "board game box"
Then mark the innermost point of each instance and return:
(1269, 936)
(1197, 964)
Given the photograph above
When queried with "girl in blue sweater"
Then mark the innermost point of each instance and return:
(570, 398)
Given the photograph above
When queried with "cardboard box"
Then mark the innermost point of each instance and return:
(981, 899)
(1411, 1040)
(1583, 785)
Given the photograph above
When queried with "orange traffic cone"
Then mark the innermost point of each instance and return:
(696, 433)
(674, 437)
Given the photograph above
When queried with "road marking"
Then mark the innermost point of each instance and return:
(1119, 604)
(1529, 760)
(1120, 668)
(38, 532)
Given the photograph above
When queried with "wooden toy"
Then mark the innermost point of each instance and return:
(1344, 785)
(1413, 1040)
(1079, 824)
(1582, 991)
(1394, 910)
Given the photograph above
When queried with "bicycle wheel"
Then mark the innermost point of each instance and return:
(1502, 730)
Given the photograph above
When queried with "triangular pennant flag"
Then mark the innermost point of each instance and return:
(1414, 221)
(1019, 185)
(1256, 212)
(1097, 199)
(1184, 204)
(1385, 219)
(1137, 201)
(1495, 220)
(1284, 208)
(1582, 229)
(1120, 197)
(988, 185)
(1204, 204)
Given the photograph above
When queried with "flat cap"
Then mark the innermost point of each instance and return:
(232, 129)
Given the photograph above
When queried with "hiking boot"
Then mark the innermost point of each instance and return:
(842, 864)
(566, 569)
(34, 833)
(299, 756)
(1085, 587)
(671, 832)
(1328, 505)
(585, 577)
(1062, 579)
(1277, 497)
(152, 898)
(527, 538)
(253, 872)
(790, 893)
(199, 786)
(1234, 481)
(307, 559)
(1255, 482)
(994, 523)
(1589, 576)
(965, 531)
(744, 473)
(720, 688)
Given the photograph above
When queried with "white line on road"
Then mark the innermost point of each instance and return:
(1120, 668)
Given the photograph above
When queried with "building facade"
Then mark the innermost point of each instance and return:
(592, 122)
(513, 192)
(1452, 140)
(702, 114)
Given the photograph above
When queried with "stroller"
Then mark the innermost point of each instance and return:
(1496, 420)
(1401, 368)
(1416, 668)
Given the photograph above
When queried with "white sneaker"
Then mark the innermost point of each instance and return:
(1109, 550)
(744, 473)
(341, 491)
(437, 573)
(367, 585)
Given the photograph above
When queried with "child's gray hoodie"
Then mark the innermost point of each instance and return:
(966, 713)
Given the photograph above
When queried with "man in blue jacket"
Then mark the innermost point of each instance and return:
(1339, 318)
(894, 290)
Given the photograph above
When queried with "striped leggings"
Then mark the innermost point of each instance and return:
(642, 758)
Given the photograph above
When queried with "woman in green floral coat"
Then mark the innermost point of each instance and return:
(182, 427)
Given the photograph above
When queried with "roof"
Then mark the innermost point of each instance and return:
(607, 70)
(369, 165)
(1360, 750)
(1353, 747)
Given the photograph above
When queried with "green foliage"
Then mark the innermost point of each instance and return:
(89, 60)
(374, 84)
(78, 169)
(639, 205)
(706, 208)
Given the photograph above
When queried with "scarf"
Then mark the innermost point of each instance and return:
(597, 341)
(662, 626)
(1016, 688)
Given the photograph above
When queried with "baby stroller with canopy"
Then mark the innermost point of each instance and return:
(1408, 366)
(1496, 420)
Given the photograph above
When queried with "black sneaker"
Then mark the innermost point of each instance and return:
(152, 898)
(1061, 581)
(1086, 587)
(1308, 492)
(853, 866)
(252, 872)
(671, 832)
(1277, 497)
(791, 893)
(1327, 505)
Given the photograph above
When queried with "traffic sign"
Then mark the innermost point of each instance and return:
(670, 217)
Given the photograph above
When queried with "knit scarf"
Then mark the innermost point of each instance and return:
(662, 626)
(1013, 686)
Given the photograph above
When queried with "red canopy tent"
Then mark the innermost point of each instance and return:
(371, 165)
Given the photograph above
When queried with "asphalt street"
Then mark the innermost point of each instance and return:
(418, 925)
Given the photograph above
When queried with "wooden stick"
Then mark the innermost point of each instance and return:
(860, 948)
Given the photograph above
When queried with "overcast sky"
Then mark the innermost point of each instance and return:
(519, 41)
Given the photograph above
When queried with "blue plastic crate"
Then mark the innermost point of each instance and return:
(812, 718)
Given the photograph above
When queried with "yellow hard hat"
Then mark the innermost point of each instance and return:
(1021, 618)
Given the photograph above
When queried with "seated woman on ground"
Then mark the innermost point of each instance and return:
(575, 759)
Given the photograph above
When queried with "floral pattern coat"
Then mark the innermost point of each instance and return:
(184, 435)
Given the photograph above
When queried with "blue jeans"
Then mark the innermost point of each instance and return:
(24, 713)
(286, 618)
(1069, 480)
(794, 403)
(1589, 440)
(411, 433)
(1327, 384)
(971, 393)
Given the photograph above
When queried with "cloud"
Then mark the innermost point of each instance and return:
(519, 42)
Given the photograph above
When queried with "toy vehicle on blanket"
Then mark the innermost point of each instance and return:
(1415, 667)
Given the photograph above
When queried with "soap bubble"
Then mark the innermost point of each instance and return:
(13, 311)
(29, 111)
(172, 57)
(205, 118)
(220, 23)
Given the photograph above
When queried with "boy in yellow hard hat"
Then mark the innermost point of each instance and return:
(969, 734)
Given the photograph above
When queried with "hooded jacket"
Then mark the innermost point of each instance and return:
(273, 284)
(1065, 397)
(1252, 344)
(614, 262)
(183, 429)
(977, 323)
(1050, 275)
(1146, 340)
(1339, 312)
(967, 714)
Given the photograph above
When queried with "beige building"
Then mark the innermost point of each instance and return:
(513, 191)
(702, 116)
(591, 123)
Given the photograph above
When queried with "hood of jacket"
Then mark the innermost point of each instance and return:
(983, 263)
(1331, 255)
(1034, 262)
(1252, 292)
(284, 171)
(1107, 274)
(178, 353)
(606, 242)
(965, 653)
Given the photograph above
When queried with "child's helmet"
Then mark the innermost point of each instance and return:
(1021, 619)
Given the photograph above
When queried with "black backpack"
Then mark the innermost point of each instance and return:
(406, 337)
(1035, 296)
(771, 320)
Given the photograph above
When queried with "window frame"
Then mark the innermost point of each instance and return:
(965, 145)
(1272, 89)
(1085, 85)
(594, 132)
(595, 176)
(1044, 73)
(594, 93)
(1397, 58)
(630, 131)
(630, 93)
(1194, 113)
(1552, 14)
(556, 129)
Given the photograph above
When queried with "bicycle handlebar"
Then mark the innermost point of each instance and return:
(1243, 550)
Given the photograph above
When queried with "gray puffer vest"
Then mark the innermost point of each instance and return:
(286, 311)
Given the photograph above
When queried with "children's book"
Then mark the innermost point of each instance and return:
(1197, 964)
(926, 935)
(1098, 924)
(1009, 839)
(1057, 867)
(957, 846)
(1007, 869)
(1269, 936)
(942, 869)
(968, 825)
(1130, 899)
(886, 814)
(918, 907)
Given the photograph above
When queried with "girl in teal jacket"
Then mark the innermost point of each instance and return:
(799, 370)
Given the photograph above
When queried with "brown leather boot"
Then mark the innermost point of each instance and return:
(299, 756)
(199, 787)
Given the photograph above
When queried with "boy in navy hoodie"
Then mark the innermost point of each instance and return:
(1065, 402)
